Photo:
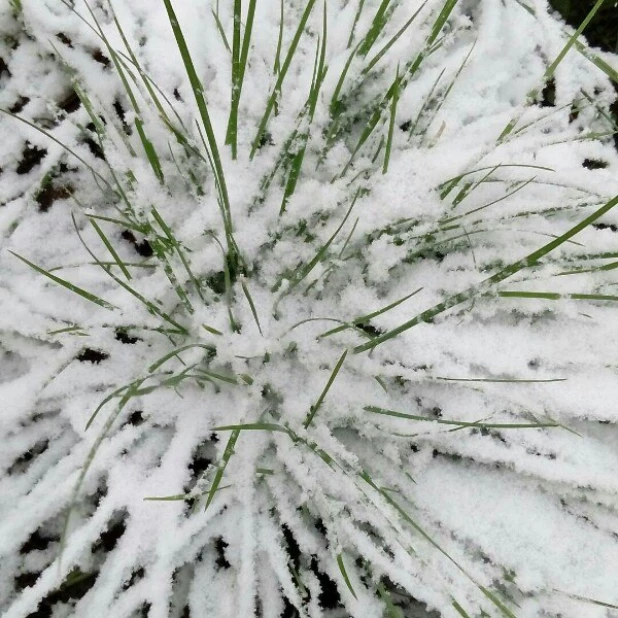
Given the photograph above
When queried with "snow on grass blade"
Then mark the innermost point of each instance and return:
(152, 307)
(364, 319)
(280, 77)
(319, 73)
(344, 573)
(149, 149)
(487, 284)
(227, 455)
(240, 57)
(66, 284)
(316, 406)
(462, 424)
(233, 252)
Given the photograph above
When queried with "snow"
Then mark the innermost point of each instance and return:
(431, 513)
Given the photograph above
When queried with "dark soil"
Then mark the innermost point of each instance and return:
(602, 31)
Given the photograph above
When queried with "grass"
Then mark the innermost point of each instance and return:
(209, 317)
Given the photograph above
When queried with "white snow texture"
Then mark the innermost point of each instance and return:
(465, 467)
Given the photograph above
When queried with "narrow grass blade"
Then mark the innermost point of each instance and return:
(66, 284)
(497, 602)
(200, 99)
(391, 124)
(392, 41)
(303, 272)
(239, 65)
(551, 69)
(277, 63)
(367, 478)
(448, 185)
(227, 455)
(460, 610)
(152, 308)
(176, 245)
(319, 72)
(315, 407)
(149, 149)
(364, 319)
(175, 354)
(110, 248)
(221, 30)
(245, 289)
(280, 77)
(463, 424)
(484, 286)
(357, 15)
(129, 394)
(49, 136)
(587, 600)
(344, 574)
(556, 296)
(379, 21)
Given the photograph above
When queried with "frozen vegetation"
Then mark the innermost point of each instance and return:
(307, 309)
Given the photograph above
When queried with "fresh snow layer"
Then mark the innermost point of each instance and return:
(434, 518)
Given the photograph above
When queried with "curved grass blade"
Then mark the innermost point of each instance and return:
(344, 574)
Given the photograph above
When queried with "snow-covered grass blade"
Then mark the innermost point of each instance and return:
(257, 352)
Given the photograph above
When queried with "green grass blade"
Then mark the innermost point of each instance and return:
(315, 407)
(556, 296)
(277, 63)
(460, 610)
(221, 30)
(319, 72)
(227, 455)
(240, 54)
(110, 248)
(176, 245)
(152, 308)
(344, 574)
(462, 424)
(213, 149)
(363, 319)
(147, 145)
(245, 289)
(357, 15)
(392, 41)
(66, 284)
(280, 77)
(303, 272)
(391, 124)
(379, 21)
(551, 69)
(484, 286)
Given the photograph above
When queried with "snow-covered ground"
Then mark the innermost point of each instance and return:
(383, 386)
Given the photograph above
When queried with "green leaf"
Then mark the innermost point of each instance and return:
(66, 284)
